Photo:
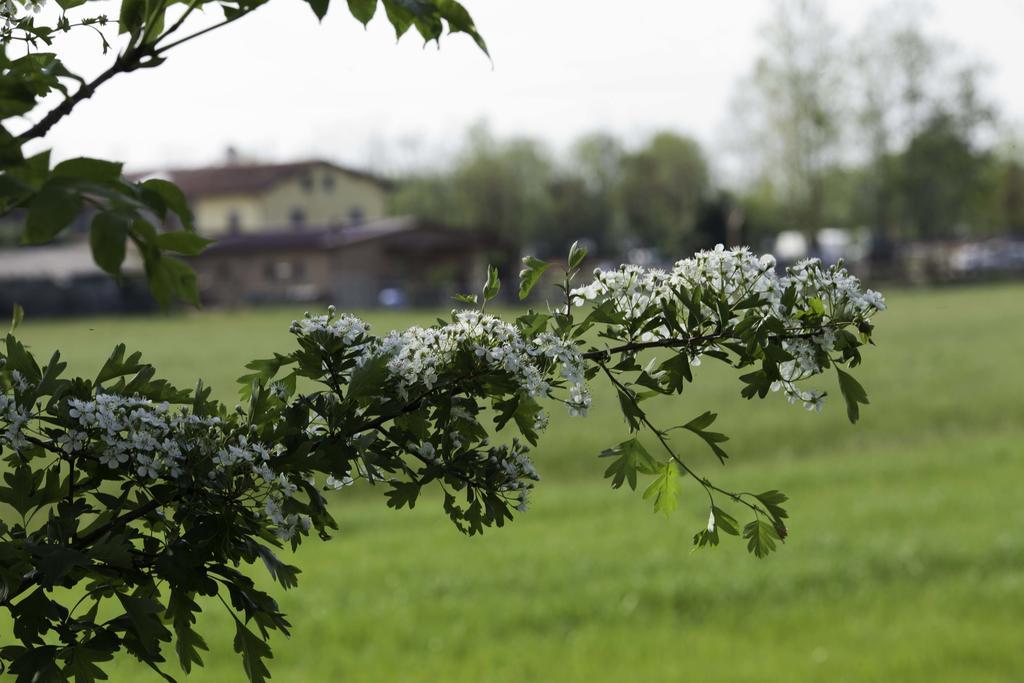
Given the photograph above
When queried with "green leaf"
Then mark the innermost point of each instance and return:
(367, 378)
(718, 520)
(132, 17)
(576, 255)
(18, 358)
(17, 315)
(117, 366)
(285, 574)
(50, 211)
(53, 562)
(81, 664)
(854, 394)
(492, 285)
(170, 278)
(677, 372)
(402, 493)
(107, 237)
(630, 457)
(143, 629)
(253, 650)
(761, 537)
(630, 409)
(664, 490)
(724, 521)
(459, 21)
(182, 611)
(471, 299)
(173, 198)
(34, 614)
(531, 274)
(698, 424)
(362, 10)
(92, 170)
(319, 7)
(266, 369)
(525, 415)
(182, 242)
(772, 501)
(399, 16)
(37, 665)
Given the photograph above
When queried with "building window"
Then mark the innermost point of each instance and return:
(307, 182)
(234, 223)
(355, 215)
(297, 218)
(328, 183)
(283, 271)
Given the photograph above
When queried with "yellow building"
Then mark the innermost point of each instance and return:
(250, 198)
(316, 231)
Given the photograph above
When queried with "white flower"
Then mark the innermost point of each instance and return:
(426, 451)
(336, 484)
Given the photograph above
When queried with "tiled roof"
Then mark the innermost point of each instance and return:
(417, 234)
(246, 178)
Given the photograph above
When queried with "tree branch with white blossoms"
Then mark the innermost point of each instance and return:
(129, 503)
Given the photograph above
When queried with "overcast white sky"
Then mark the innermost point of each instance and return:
(279, 85)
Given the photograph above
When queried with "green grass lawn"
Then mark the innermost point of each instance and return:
(905, 560)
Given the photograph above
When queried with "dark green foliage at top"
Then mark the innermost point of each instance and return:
(150, 216)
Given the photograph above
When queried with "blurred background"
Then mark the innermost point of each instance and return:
(332, 166)
(365, 173)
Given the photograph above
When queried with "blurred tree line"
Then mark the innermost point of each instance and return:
(613, 198)
(888, 129)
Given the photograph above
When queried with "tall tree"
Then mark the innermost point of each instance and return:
(939, 176)
(661, 190)
(892, 59)
(595, 160)
(493, 184)
(790, 107)
(921, 115)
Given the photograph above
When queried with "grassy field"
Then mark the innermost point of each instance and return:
(905, 561)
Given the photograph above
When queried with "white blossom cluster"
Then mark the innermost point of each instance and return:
(9, 12)
(14, 418)
(517, 470)
(420, 355)
(345, 327)
(287, 526)
(152, 442)
(130, 431)
(571, 366)
(838, 290)
(631, 288)
(736, 275)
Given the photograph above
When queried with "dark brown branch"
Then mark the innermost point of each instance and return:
(32, 578)
(118, 523)
(129, 61)
(634, 347)
(703, 481)
(133, 58)
(677, 342)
